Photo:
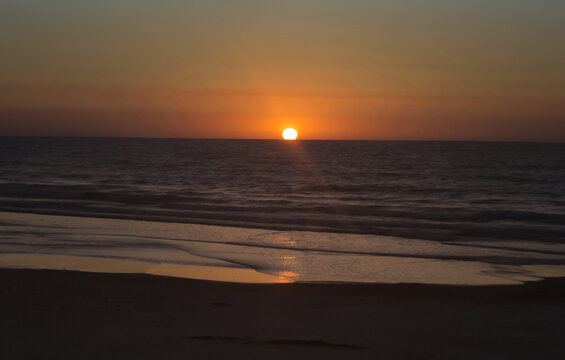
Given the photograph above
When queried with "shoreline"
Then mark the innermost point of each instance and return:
(296, 256)
(100, 265)
(241, 275)
(68, 315)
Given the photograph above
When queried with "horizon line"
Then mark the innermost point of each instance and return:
(274, 139)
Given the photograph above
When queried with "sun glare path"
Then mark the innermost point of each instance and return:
(289, 134)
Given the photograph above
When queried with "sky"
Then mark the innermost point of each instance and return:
(357, 69)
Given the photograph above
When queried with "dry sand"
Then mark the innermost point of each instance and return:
(49, 314)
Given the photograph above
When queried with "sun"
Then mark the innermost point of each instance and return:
(289, 134)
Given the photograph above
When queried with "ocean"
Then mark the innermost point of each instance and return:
(484, 195)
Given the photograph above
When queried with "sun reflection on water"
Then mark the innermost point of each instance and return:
(288, 275)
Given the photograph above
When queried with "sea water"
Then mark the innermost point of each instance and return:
(496, 203)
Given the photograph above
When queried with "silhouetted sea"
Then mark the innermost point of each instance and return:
(419, 190)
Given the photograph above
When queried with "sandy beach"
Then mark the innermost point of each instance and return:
(79, 315)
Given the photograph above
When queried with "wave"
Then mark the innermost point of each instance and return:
(425, 190)
(339, 223)
(175, 201)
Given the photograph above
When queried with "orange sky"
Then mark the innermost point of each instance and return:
(448, 70)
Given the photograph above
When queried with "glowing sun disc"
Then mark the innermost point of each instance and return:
(289, 134)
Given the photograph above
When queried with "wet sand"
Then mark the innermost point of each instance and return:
(222, 253)
(79, 315)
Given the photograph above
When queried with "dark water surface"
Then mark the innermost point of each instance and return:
(421, 190)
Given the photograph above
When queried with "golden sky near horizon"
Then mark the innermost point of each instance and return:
(359, 69)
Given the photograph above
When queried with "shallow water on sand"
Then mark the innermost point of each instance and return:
(255, 255)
